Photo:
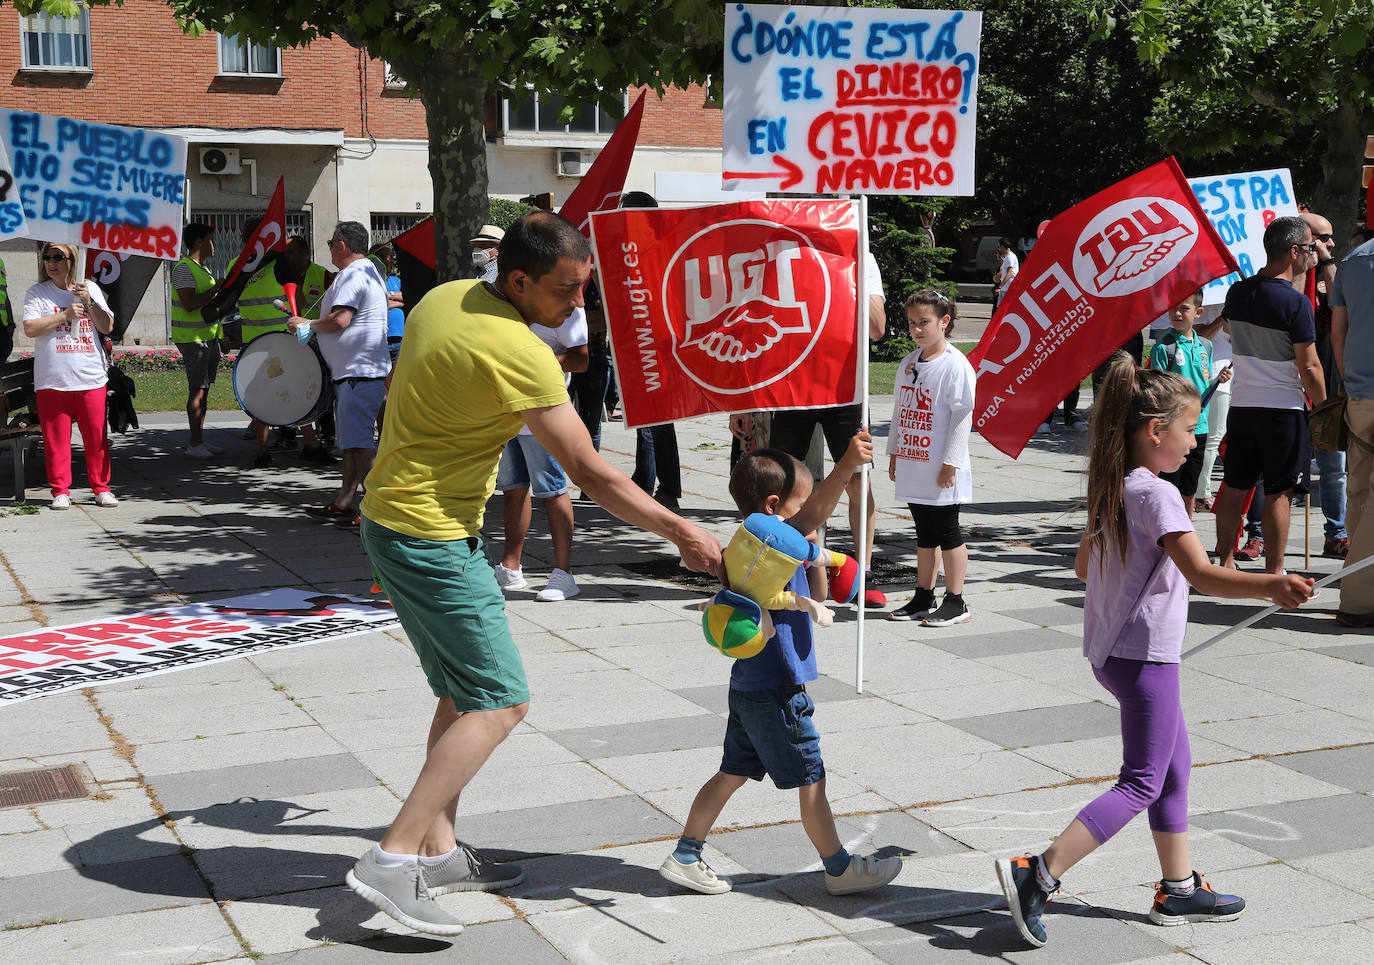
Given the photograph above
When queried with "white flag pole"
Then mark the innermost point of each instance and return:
(861, 537)
(1256, 618)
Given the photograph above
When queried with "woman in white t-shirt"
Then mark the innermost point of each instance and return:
(65, 318)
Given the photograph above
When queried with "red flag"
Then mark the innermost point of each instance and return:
(1099, 273)
(731, 307)
(270, 236)
(604, 181)
(124, 279)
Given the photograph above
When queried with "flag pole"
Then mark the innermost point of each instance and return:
(861, 537)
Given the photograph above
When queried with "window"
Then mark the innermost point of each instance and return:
(238, 56)
(229, 226)
(388, 226)
(392, 80)
(538, 113)
(60, 43)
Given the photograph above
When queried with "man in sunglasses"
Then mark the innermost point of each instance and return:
(1330, 465)
(1273, 337)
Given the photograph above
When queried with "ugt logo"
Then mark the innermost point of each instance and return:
(754, 297)
(1132, 244)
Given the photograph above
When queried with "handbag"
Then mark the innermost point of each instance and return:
(1327, 423)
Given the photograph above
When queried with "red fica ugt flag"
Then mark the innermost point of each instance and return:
(1100, 271)
(730, 307)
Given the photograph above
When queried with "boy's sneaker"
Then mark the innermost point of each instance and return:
(510, 579)
(1252, 550)
(921, 604)
(952, 610)
(865, 872)
(401, 893)
(561, 586)
(466, 870)
(1203, 904)
(1025, 898)
(697, 876)
(201, 451)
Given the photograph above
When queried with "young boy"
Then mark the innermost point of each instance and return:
(1184, 351)
(770, 729)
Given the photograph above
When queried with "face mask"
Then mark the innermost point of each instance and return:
(480, 258)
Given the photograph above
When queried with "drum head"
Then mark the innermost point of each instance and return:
(279, 381)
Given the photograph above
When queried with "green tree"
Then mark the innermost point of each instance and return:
(1258, 72)
(455, 53)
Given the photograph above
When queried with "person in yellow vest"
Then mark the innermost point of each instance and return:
(196, 339)
(259, 314)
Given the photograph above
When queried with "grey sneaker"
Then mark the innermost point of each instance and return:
(466, 870)
(401, 893)
(865, 872)
(697, 876)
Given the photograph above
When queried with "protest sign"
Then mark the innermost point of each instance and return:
(843, 99)
(101, 185)
(730, 307)
(1100, 271)
(1241, 207)
(55, 659)
(12, 223)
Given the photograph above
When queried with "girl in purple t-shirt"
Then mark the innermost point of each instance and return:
(1138, 556)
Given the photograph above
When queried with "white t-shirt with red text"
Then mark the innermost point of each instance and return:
(69, 358)
(932, 415)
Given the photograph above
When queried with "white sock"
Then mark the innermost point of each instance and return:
(1182, 888)
(1043, 877)
(388, 860)
(433, 861)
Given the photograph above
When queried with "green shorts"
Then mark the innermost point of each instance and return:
(446, 595)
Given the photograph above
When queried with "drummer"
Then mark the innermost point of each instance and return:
(351, 332)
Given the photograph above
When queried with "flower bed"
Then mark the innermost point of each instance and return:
(155, 360)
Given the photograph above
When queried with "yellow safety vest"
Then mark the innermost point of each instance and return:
(310, 294)
(256, 310)
(187, 323)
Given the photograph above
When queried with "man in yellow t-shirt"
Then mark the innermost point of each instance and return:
(471, 374)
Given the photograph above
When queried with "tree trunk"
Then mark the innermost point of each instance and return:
(1337, 198)
(455, 107)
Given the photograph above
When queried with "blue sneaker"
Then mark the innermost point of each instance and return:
(1203, 904)
(1025, 898)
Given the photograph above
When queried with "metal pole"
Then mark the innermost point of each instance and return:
(861, 537)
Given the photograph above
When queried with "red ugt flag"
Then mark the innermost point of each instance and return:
(731, 307)
(603, 183)
(1099, 273)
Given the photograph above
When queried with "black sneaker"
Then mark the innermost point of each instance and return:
(262, 461)
(1025, 898)
(1203, 904)
(919, 606)
(952, 610)
(318, 455)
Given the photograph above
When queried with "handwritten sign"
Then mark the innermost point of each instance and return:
(841, 99)
(1241, 206)
(11, 211)
(84, 183)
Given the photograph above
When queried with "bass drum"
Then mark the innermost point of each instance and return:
(281, 382)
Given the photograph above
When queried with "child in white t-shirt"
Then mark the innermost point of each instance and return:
(927, 446)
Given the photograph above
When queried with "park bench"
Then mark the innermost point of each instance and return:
(19, 417)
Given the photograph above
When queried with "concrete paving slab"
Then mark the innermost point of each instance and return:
(190, 790)
(1029, 640)
(1347, 767)
(1027, 728)
(1283, 733)
(1299, 829)
(173, 937)
(100, 891)
(578, 826)
(484, 942)
(1326, 945)
(156, 758)
(671, 734)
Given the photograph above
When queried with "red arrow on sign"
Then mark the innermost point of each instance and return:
(789, 173)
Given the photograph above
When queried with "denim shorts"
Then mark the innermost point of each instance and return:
(771, 732)
(201, 361)
(357, 405)
(450, 607)
(524, 462)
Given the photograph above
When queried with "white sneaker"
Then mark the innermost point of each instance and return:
(510, 579)
(698, 876)
(201, 451)
(214, 450)
(62, 501)
(561, 586)
(106, 499)
(865, 872)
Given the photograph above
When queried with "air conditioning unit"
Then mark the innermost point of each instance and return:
(220, 160)
(574, 164)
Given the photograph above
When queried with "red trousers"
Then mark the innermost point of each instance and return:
(57, 410)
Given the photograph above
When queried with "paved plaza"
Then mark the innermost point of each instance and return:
(230, 799)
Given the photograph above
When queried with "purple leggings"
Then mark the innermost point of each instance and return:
(1155, 757)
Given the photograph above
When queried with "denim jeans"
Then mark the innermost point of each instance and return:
(589, 393)
(1331, 491)
(656, 458)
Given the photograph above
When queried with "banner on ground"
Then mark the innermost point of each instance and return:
(730, 307)
(1241, 207)
(843, 99)
(56, 659)
(123, 278)
(99, 185)
(1100, 271)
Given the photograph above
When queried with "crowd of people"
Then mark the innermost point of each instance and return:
(474, 383)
